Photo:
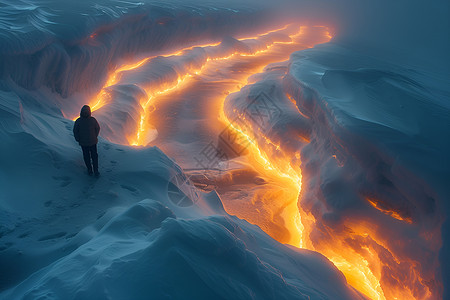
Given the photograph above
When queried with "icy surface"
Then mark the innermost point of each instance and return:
(387, 127)
(373, 130)
(372, 122)
(65, 235)
(69, 236)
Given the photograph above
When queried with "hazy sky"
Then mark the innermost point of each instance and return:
(410, 29)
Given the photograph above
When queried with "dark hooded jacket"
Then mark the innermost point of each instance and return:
(86, 128)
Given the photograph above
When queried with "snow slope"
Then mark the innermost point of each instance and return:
(391, 122)
(369, 125)
(66, 235)
(372, 137)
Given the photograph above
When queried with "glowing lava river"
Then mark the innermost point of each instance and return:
(198, 105)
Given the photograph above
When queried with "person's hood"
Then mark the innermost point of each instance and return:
(85, 111)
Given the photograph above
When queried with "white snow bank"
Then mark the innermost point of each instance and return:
(101, 242)
(66, 235)
(122, 101)
(70, 46)
(53, 217)
(365, 129)
(144, 251)
(387, 127)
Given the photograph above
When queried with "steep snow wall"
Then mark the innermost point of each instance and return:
(353, 146)
(371, 138)
(217, 257)
(390, 123)
(70, 46)
(65, 235)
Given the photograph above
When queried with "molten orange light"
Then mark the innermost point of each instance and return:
(362, 266)
(143, 125)
(281, 172)
(391, 213)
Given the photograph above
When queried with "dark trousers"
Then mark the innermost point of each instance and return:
(90, 152)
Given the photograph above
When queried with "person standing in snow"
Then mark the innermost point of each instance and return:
(85, 131)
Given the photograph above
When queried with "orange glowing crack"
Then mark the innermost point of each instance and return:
(101, 97)
(142, 128)
(358, 274)
(138, 141)
(362, 271)
(288, 174)
(355, 268)
(274, 30)
(292, 178)
(391, 213)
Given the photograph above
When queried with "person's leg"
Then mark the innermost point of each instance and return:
(94, 156)
(87, 158)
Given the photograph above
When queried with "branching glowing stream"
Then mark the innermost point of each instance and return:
(362, 271)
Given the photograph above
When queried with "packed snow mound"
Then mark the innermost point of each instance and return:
(379, 127)
(369, 134)
(70, 46)
(364, 161)
(70, 236)
(144, 251)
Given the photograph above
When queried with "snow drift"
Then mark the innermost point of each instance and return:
(67, 236)
(372, 160)
(369, 132)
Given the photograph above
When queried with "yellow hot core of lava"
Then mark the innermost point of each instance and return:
(363, 272)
